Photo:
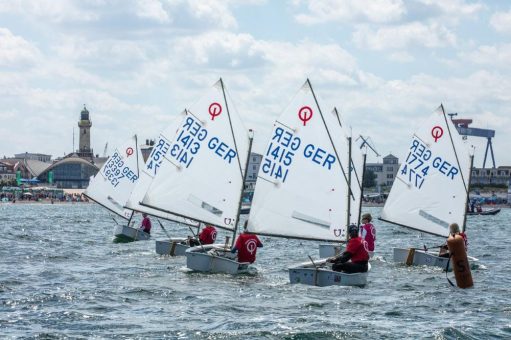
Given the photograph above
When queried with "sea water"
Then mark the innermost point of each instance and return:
(61, 276)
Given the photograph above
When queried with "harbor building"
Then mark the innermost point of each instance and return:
(385, 172)
(34, 156)
(254, 163)
(28, 168)
(499, 176)
(7, 173)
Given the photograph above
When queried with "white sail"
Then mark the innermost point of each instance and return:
(207, 157)
(430, 189)
(301, 191)
(112, 185)
(149, 170)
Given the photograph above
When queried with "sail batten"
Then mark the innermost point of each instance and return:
(410, 227)
(429, 191)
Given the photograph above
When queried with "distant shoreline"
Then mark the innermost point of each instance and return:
(488, 206)
(46, 201)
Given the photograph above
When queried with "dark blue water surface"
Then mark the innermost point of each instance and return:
(62, 277)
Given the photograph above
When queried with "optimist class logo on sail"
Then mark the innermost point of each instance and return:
(437, 132)
(214, 110)
(305, 114)
(129, 151)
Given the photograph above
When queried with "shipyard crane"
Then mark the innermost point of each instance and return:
(463, 129)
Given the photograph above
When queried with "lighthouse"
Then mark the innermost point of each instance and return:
(84, 125)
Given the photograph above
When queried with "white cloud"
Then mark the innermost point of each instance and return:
(455, 7)
(152, 9)
(432, 35)
(501, 22)
(213, 11)
(267, 63)
(53, 10)
(383, 11)
(16, 51)
(492, 56)
(112, 52)
(401, 57)
(378, 11)
(216, 49)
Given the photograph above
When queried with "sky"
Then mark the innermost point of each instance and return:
(385, 64)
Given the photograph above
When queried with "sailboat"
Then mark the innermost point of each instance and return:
(112, 186)
(174, 246)
(431, 187)
(303, 188)
(204, 179)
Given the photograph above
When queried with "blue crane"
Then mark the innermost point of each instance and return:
(464, 130)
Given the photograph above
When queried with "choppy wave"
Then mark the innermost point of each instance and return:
(61, 277)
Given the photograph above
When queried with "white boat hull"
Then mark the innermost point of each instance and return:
(426, 258)
(172, 247)
(214, 258)
(322, 275)
(128, 234)
(330, 250)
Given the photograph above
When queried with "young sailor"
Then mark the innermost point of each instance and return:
(368, 233)
(356, 251)
(208, 235)
(246, 245)
(454, 229)
(146, 224)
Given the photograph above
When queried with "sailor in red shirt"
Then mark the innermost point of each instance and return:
(146, 224)
(208, 235)
(246, 245)
(356, 251)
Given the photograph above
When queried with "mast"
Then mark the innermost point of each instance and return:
(330, 137)
(230, 124)
(467, 184)
(362, 188)
(132, 213)
(138, 166)
(251, 137)
(464, 226)
(348, 207)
